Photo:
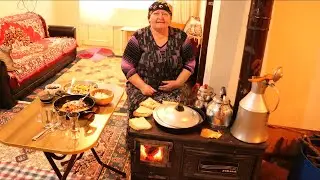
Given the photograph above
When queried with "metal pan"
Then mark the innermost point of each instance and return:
(175, 130)
(62, 100)
(68, 87)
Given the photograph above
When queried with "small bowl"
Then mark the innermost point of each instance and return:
(102, 100)
(45, 97)
(53, 88)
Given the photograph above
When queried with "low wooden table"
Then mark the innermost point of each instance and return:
(19, 131)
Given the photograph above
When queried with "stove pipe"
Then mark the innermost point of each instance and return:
(255, 42)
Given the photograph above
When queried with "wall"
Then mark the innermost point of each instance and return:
(225, 48)
(293, 42)
(44, 8)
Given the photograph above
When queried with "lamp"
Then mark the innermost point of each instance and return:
(193, 28)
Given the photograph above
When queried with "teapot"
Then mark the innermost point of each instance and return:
(204, 96)
(219, 111)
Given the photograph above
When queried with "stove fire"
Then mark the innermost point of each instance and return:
(151, 153)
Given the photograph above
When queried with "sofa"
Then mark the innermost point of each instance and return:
(31, 53)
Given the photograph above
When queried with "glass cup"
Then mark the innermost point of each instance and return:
(74, 124)
(62, 121)
(47, 117)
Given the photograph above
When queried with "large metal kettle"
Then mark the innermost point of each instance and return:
(251, 121)
(219, 111)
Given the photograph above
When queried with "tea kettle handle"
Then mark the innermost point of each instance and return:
(277, 91)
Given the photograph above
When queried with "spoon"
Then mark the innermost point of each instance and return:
(71, 85)
(81, 99)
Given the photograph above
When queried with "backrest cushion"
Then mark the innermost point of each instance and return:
(22, 29)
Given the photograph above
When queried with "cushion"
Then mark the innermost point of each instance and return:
(5, 57)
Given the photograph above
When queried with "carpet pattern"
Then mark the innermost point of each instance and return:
(111, 145)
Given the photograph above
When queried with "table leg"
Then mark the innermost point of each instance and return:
(51, 156)
(123, 174)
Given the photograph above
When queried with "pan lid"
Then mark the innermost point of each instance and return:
(177, 116)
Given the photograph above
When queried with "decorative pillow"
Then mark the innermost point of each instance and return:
(6, 58)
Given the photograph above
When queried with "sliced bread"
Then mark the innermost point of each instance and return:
(170, 102)
(139, 124)
(142, 112)
(150, 103)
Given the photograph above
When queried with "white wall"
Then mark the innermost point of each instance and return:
(44, 8)
(225, 48)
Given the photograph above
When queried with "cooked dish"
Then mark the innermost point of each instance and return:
(100, 95)
(82, 88)
(74, 106)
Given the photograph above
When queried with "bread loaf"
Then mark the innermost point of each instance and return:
(150, 103)
(139, 124)
(142, 112)
(170, 102)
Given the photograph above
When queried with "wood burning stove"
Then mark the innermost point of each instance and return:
(156, 154)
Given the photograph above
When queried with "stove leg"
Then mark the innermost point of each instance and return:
(123, 174)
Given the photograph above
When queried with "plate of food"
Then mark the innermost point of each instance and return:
(80, 87)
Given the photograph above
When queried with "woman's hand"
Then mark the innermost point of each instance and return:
(147, 90)
(170, 85)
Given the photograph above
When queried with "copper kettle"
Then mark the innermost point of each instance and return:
(219, 111)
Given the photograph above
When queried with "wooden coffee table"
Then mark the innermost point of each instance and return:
(19, 131)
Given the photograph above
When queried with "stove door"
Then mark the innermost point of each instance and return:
(216, 165)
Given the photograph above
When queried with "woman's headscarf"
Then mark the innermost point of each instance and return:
(160, 4)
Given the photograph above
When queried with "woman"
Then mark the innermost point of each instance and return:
(158, 59)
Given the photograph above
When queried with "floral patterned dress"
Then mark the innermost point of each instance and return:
(155, 64)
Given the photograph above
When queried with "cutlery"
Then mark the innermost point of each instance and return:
(71, 85)
(43, 132)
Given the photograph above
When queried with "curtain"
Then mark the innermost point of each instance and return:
(117, 13)
(98, 12)
(182, 10)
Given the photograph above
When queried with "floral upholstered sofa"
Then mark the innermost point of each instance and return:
(37, 52)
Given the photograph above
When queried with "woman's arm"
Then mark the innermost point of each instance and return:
(130, 59)
(188, 68)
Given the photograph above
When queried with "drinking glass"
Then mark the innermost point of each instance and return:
(74, 128)
(62, 121)
(47, 117)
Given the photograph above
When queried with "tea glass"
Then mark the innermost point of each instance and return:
(47, 117)
(62, 121)
(74, 124)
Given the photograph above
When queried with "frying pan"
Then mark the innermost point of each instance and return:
(62, 100)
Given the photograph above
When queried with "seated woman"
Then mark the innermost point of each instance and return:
(157, 60)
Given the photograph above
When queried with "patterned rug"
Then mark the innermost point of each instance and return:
(111, 146)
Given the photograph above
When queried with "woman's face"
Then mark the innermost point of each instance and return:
(160, 19)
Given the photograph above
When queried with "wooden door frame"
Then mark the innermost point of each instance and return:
(205, 41)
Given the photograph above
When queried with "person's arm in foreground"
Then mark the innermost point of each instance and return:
(130, 59)
(188, 68)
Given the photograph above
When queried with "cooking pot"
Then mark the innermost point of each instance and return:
(62, 100)
(178, 118)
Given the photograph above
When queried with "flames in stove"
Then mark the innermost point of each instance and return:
(151, 153)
